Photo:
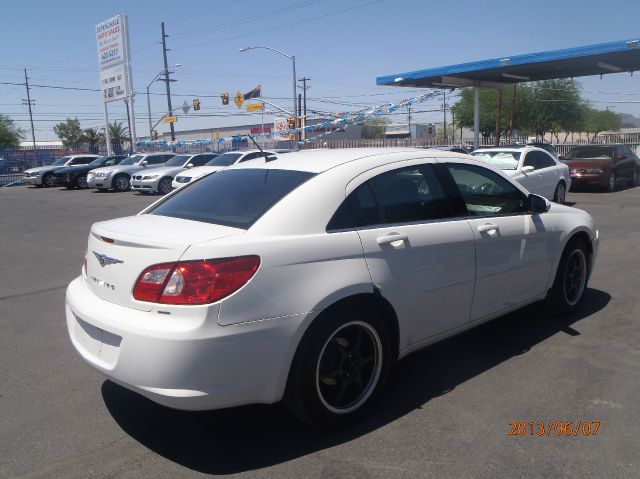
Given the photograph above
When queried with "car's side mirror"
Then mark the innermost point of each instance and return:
(144, 163)
(528, 169)
(621, 157)
(190, 165)
(561, 157)
(538, 204)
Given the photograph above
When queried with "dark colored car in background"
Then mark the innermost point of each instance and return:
(76, 176)
(453, 149)
(545, 146)
(602, 165)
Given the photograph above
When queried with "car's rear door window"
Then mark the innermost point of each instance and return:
(236, 198)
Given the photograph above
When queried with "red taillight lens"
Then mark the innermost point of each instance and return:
(195, 282)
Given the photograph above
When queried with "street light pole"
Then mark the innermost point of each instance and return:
(161, 72)
(293, 61)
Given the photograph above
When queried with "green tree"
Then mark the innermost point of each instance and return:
(10, 134)
(374, 128)
(93, 137)
(118, 132)
(601, 120)
(69, 132)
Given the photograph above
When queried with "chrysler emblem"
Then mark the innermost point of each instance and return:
(105, 260)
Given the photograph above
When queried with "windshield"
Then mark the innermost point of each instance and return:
(591, 153)
(132, 160)
(226, 159)
(505, 160)
(236, 198)
(178, 160)
(61, 161)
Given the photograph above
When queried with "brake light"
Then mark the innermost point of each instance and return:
(195, 282)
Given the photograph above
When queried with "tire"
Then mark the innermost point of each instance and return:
(120, 183)
(560, 193)
(164, 185)
(340, 367)
(81, 182)
(48, 181)
(571, 279)
(611, 182)
(634, 179)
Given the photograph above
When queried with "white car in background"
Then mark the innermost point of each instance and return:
(158, 180)
(223, 161)
(534, 168)
(45, 175)
(118, 177)
(306, 277)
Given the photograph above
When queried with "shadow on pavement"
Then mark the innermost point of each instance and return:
(252, 437)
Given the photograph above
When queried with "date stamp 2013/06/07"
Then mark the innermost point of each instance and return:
(554, 427)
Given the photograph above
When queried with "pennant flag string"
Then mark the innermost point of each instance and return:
(340, 121)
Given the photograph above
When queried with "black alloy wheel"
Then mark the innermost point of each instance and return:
(340, 366)
(611, 182)
(81, 182)
(571, 279)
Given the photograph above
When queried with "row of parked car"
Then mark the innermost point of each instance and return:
(536, 166)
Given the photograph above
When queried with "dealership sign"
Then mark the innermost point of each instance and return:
(111, 37)
(113, 84)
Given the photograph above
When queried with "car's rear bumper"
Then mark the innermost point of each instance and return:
(179, 362)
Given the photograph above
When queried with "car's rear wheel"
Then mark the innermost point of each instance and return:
(611, 182)
(340, 366)
(560, 194)
(164, 186)
(571, 278)
(121, 183)
(48, 180)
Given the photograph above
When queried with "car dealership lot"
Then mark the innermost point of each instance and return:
(446, 411)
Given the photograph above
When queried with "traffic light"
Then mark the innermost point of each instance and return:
(225, 98)
(291, 122)
(196, 104)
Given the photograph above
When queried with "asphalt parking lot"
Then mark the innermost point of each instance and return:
(446, 411)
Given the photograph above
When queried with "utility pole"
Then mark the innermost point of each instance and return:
(131, 140)
(167, 80)
(513, 109)
(409, 120)
(304, 81)
(444, 111)
(33, 131)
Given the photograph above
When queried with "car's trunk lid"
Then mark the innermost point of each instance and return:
(119, 250)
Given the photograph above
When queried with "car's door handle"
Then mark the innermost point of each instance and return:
(488, 228)
(391, 238)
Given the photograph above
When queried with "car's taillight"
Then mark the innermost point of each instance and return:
(195, 282)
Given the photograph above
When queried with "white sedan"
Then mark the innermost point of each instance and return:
(158, 180)
(534, 168)
(223, 161)
(306, 277)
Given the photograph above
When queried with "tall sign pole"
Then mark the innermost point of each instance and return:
(131, 113)
(112, 38)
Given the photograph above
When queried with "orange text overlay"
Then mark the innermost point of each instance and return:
(554, 427)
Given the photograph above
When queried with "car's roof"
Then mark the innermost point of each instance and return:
(597, 145)
(323, 159)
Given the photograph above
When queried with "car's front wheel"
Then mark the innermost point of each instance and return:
(81, 182)
(340, 366)
(634, 178)
(121, 183)
(611, 182)
(48, 180)
(560, 194)
(164, 186)
(571, 278)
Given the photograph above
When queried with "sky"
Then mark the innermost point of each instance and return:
(341, 45)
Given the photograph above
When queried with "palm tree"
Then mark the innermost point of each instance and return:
(93, 137)
(118, 133)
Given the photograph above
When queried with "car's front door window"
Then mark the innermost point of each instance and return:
(486, 193)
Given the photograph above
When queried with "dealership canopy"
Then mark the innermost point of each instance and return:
(600, 59)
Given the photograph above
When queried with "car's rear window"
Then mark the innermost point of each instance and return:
(236, 198)
(591, 153)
